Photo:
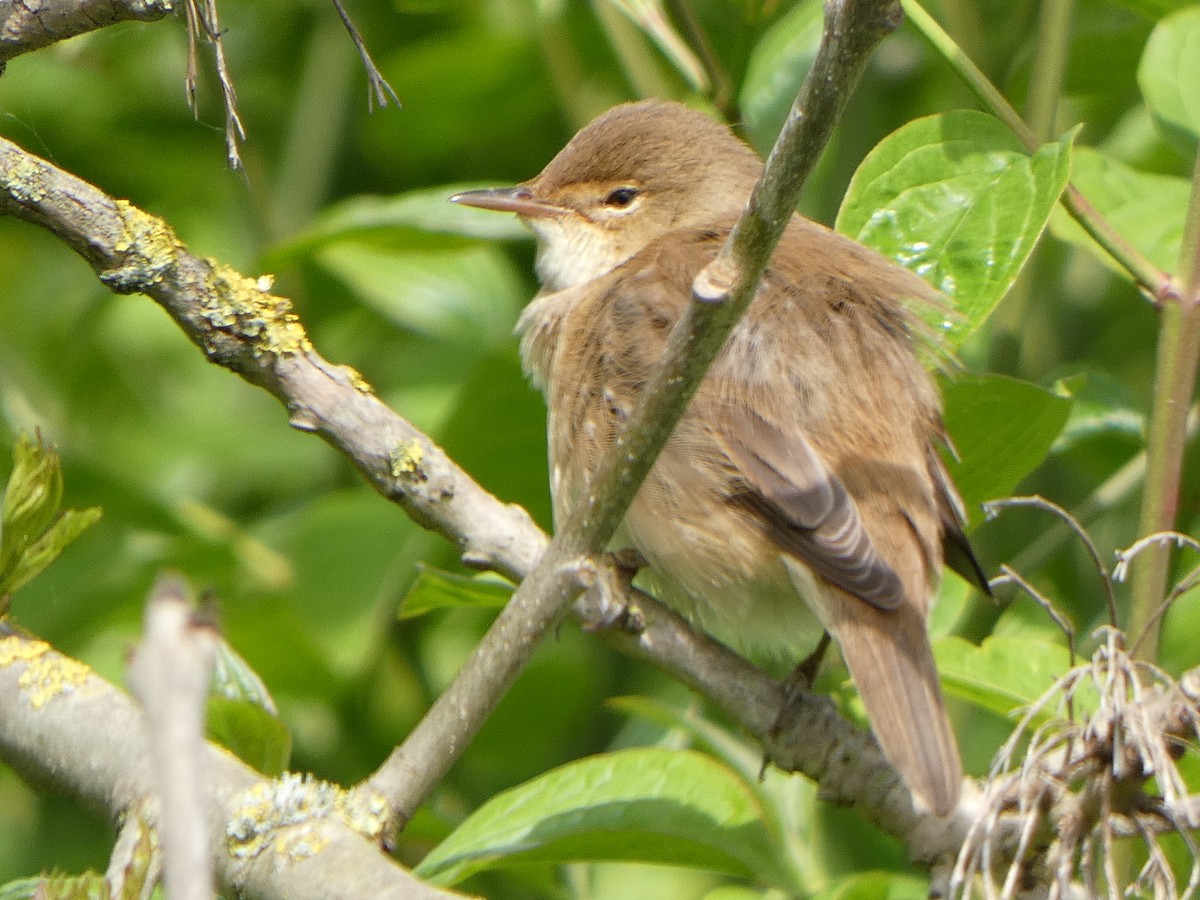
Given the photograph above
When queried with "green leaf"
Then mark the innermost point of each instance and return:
(43, 551)
(241, 715)
(644, 805)
(877, 886)
(1147, 210)
(1101, 405)
(21, 889)
(32, 497)
(401, 219)
(34, 529)
(1002, 429)
(251, 733)
(234, 679)
(777, 67)
(434, 589)
(957, 199)
(1001, 674)
(1169, 75)
(469, 295)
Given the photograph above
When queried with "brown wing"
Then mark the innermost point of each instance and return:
(809, 513)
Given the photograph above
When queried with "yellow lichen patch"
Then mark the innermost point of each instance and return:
(14, 648)
(407, 459)
(293, 812)
(366, 811)
(24, 180)
(301, 842)
(359, 383)
(151, 241)
(47, 674)
(240, 305)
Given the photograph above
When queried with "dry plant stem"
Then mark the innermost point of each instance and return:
(204, 25)
(27, 25)
(1036, 502)
(1173, 388)
(378, 89)
(64, 725)
(853, 29)
(170, 673)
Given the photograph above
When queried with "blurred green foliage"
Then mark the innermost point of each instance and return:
(199, 472)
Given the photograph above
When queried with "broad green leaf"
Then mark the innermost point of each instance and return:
(777, 66)
(1169, 74)
(435, 589)
(469, 295)
(254, 735)
(957, 199)
(1002, 429)
(1147, 210)
(402, 219)
(644, 805)
(1001, 674)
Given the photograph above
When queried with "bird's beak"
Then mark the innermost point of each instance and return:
(517, 200)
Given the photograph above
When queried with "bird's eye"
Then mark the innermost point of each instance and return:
(621, 197)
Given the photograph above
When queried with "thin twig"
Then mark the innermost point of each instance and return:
(1008, 574)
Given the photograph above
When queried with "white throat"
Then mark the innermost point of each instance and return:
(571, 253)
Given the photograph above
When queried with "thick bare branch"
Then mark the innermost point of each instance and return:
(27, 25)
(63, 724)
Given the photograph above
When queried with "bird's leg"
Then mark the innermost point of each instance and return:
(608, 588)
(801, 679)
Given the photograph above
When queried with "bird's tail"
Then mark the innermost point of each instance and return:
(890, 659)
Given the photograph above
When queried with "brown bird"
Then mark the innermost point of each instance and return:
(805, 468)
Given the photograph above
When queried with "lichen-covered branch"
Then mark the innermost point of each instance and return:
(27, 25)
(294, 838)
(239, 324)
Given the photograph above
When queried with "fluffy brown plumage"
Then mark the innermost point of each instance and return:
(805, 467)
